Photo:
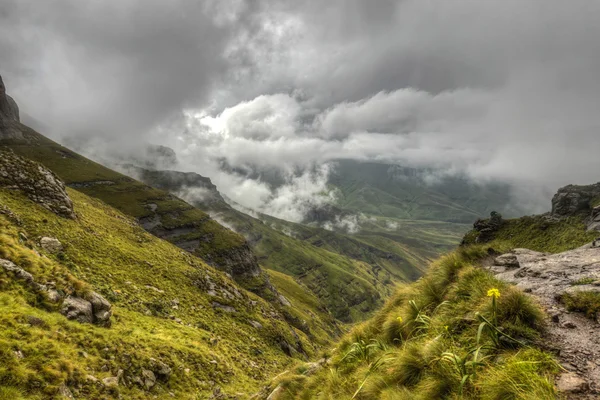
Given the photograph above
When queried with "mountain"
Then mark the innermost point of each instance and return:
(345, 274)
(97, 302)
(491, 320)
(398, 192)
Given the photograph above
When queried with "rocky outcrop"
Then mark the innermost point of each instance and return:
(10, 126)
(485, 229)
(574, 199)
(37, 182)
(573, 337)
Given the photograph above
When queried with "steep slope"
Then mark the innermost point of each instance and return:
(176, 326)
(159, 212)
(464, 331)
(344, 273)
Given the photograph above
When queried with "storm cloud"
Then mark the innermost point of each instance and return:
(495, 90)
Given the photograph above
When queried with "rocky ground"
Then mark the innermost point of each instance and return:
(573, 337)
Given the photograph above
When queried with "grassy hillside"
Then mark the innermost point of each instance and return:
(456, 333)
(348, 274)
(161, 213)
(162, 307)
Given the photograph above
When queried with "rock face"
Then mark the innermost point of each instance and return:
(574, 199)
(37, 182)
(574, 337)
(10, 127)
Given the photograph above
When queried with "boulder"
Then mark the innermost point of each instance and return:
(101, 309)
(149, 378)
(51, 245)
(77, 309)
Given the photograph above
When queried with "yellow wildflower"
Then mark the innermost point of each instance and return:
(495, 293)
(399, 319)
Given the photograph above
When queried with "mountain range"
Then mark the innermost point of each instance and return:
(148, 282)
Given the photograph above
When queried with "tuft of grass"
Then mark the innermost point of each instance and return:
(526, 375)
(583, 281)
(586, 302)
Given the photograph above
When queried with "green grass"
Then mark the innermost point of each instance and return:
(539, 234)
(583, 281)
(586, 302)
(214, 243)
(442, 337)
(140, 275)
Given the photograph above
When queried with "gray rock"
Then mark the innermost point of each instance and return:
(37, 182)
(111, 382)
(17, 272)
(285, 302)
(77, 309)
(65, 392)
(225, 308)
(571, 383)
(161, 369)
(256, 324)
(53, 295)
(51, 245)
(149, 378)
(101, 309)
(507, 260)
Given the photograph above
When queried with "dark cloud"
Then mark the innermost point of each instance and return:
(496, 90)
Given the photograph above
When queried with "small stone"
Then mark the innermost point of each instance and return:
(571, 383)
(149, 378)
(111, 381)
(65, 392)
(91, 378)
(51, 245)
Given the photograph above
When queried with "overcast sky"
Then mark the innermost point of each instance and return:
(499, 90)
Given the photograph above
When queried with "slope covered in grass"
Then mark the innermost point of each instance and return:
(161, 213)
(457, 333)
(169, 307)
(348, 276)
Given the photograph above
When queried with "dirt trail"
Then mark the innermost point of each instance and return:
(574, 338)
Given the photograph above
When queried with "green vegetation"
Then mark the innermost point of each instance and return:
(540, 234)
(456, 333)
(586, 302)
(161, 305)
(583, 281)
(163, 214)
